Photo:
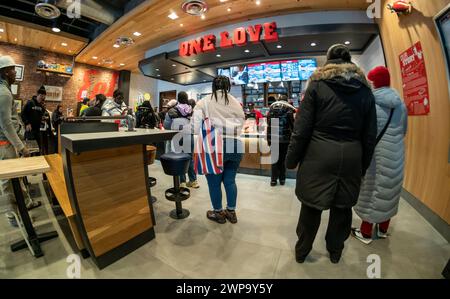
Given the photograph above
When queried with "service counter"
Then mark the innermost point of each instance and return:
(106, 177)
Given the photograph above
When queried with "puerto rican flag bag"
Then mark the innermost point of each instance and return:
(208, 151)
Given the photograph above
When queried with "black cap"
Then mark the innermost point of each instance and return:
(339, 52)
(42, 90)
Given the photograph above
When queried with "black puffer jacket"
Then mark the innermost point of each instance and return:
(32, 113)
(284, 113)
(334, 137)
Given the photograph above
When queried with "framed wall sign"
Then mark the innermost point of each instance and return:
(54, 93)
(19, 72)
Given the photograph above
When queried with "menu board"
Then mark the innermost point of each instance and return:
(256, 73)
(239, 75)
(306, 68)
(289, 70)
(272, 71)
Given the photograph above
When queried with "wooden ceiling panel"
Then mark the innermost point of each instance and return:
(150, 19)
(35, 36)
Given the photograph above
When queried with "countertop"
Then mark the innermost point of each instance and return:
(15, 168)
(77, 143)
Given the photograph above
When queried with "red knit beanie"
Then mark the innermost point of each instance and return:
(380, 77)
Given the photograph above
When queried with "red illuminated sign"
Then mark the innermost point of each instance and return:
(240, 37)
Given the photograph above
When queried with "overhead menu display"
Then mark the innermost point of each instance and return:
(306, 68)
(289, 70)
(272, 71)
(256, 73)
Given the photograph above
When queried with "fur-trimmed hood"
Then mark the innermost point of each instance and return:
(346, 75)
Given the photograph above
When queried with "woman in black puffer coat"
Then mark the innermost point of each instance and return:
(333, 143)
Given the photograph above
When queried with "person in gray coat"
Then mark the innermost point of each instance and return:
(380, 191)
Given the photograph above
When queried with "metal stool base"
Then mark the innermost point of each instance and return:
(184, 214)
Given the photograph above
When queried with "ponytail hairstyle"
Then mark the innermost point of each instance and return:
(223, 84)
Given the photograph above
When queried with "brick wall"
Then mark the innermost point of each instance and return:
(85, 77)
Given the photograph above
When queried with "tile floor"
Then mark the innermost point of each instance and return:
(260, 245)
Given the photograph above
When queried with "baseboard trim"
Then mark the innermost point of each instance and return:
(435, 220)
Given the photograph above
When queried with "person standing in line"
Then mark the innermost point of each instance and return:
(46, 131)
(84, 105)
(32, 115)
(380, 191)
(283, 114)
(146, 117)
(11, 131)
(96, 109)
(226, 114)
(178, 118)
(332, 143)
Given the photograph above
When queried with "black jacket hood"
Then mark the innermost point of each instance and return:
(341, 75)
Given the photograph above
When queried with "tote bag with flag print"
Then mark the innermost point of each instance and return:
(208, 151)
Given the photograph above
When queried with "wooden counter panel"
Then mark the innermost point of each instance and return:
(112, 195)
(58, 183)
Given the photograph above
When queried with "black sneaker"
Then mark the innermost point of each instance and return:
(273, 183)
(218, 217)
(335, 257)
(282, 182)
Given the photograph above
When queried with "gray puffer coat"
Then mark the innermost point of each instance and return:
(380, 190)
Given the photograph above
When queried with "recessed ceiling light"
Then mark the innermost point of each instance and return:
(2, 30)
(204, 80)
(158, 75)
(194, 60)
(313, 44)
(279, 46)
(347, 43)
(218, 55)
(122, 64)
(94, 57)
(223, 1)
(157, 70)
(229, 9)
(56, 29)
(116, 46)
(203, 17)
(174, 65)
(181, 25)
(258, 2)
(173, 16)
(137, 34)
(15, 39)
(247, 51)
(64, 44)
(98, 63)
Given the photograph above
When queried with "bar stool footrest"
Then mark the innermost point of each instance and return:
(182, 195)
(35, 243)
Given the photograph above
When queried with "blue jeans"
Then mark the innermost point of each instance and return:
(228, 177)
(191, 173)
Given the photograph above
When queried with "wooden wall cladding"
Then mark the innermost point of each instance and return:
(112, 195)
(427, 172)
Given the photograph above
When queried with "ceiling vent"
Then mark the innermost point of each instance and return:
(124, 41)
(195, 7)
(47, 9)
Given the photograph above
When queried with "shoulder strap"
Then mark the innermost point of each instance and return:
(385, 127)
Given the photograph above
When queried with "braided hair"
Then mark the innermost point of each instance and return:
(221, 83)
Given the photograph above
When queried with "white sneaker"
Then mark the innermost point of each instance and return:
(380, 234)
(356, 232)
(193, 184)
(183, 185)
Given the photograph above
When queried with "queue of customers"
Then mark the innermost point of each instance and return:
(346, 139)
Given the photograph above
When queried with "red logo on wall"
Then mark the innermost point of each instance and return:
(93, 86)
(240, 37)
(415, 82)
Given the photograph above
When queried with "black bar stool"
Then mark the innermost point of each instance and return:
(151, 152)
(176, 165)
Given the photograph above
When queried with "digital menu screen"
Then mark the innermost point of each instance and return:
(239, 75)
(306, 68)
(272, 71)
(224, 72)
(290, 70)
(256, 73)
